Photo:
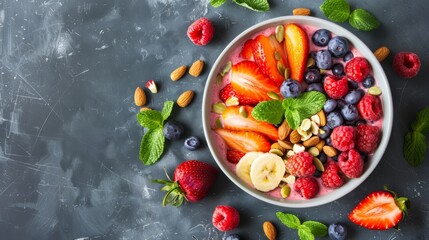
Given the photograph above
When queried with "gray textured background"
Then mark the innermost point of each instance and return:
(69, 140)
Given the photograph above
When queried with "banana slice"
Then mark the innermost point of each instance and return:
(242, 169)
(267, 171)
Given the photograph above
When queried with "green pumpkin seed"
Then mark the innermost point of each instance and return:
(374, 90)
(277, 152)
(285, 191)
(218, 123)
(310, 62)
(318, 164)
(280, 33)
(287, 73)
(232, 101)
(226, 68)
(281, 68)
(219, 79)
(277, 56)
(243, 112)
(273, 95)
(219, 107)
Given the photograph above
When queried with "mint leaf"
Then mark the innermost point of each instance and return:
(152, 146)
(255, 5)
(421, 123)
(363, 20)
(166, 110)
(269, 111)
(217, 3)
(304, 233)
(150, 119)
(290, 220)
(293, 118)
(336, 10)
(317, 229)
(305, 106)
(415, 146)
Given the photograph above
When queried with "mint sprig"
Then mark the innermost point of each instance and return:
(415, 142)
(269, 111)
(339, 11)
(307, 230)
(152, 144)
(255, 5)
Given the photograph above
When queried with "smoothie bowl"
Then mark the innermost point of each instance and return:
(297, 111)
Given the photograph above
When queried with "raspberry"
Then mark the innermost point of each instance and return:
(225, 218)
(234, 156)
(330, 177)
(307, 187)
(343, 138)
(370, 107)
(201, 31)
(351, 163)
(367, 138)
(336, 87)
(228, 91)
(301, 165)
(357, 69)
(406, 64)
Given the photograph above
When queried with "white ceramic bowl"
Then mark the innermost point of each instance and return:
(213, 139)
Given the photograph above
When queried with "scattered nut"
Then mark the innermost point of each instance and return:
(314, 151)
(297, 148)
(269, 230)
(294, 136)
(302, 11)
(381, 53)
(313, 141)
(284, 130)
(178, 73)
(196, 68)
(139, 97)
(185, 98)
(322, 117)
(320, 145)
(285, 144)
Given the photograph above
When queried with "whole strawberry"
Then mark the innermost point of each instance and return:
(192, 181)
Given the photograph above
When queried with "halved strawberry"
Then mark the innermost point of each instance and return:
(247, 49)
(296, 41)
(264, 53)
(244, 141)
(227, 92)
(234, 156)
(380, 210)
(232, 119)
(249, 82)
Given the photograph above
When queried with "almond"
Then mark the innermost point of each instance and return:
(320, 145)
(269, 230)
(196, 68)
(294, 136)
(139, 97)
(322, 118)
(178, 73)
(329, 151)
(185, 98)
(381, 53)
(302, 11)
(285, 144)
(276, 145)
(284, 130)
(313, 141)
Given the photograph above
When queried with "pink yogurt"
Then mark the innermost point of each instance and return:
(235, 58)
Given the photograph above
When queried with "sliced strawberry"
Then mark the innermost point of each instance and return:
(264, 53)
(247, 50)
(380, 210)
(228, 92)
(234, 156)
(296, 41)
(245, 141)
(232, 119)
(248, 81)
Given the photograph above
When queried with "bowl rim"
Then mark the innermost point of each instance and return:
(377, 71)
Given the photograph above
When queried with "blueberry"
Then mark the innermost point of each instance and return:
(337, 231)
(322, 157)
(312, 76)
(290, 88)
(315, 87)
(326, 134)
(360, 121)
(330, 105)
(192, 143)
(364, 157)
(353, 96)
(350, 113)
(338, 69)
(328, 141)
(173, 130)
(338, 46)
(232, 237)
(352, 84)
(323, 59)
(341, 103)
(317, 174)
(334, 119)
(321, 37)
(348, 57)
(368, 81)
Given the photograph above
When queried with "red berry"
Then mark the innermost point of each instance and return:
(357, 69)
(351, 163)
(234, 156)
(201, 31)
(336, 87)
(228, 91)
(330, 177)
(367, 138)
(343, 138)
(406, 64)
(370, 107)
(301, 165)
(225, 218)
(307, 187)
